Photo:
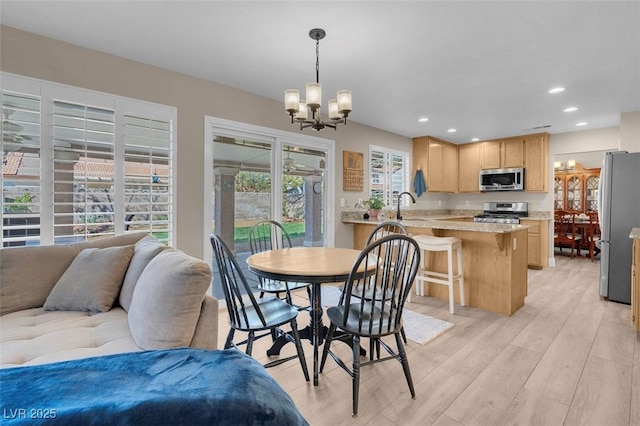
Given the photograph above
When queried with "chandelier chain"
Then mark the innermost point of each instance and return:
(317, 61)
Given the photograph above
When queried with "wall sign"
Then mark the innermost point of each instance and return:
(352, 171)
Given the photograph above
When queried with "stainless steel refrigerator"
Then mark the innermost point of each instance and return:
(618, 212)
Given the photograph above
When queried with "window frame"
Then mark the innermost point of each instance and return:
(385, 178)
(48, 92)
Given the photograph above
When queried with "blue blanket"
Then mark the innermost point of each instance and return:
(165, 387)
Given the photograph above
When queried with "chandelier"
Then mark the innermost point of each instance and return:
(338, 109)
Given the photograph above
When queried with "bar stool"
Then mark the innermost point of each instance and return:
(448, 244)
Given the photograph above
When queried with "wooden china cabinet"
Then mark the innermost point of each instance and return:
(576, 189)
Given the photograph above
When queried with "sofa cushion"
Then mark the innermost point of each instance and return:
(145, 250)
(27, 274)
(92, 281)
(35, 336)
(167, 300)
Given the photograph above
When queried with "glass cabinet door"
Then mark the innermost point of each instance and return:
(574, 193)
(558, 193)
(591, 193)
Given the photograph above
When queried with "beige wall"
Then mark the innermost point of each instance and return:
(47, 59)
(630, 131)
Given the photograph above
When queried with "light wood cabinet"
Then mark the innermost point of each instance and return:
(503, 153)
(576, 189)
(455, 168)
(469, 167)
(635, 284)
(530, 152)
(537, 243)
(536, 163)
(441, 161)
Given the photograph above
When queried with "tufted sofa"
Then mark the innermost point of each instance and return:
(106, 296)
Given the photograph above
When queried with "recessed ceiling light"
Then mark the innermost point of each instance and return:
(475, 139)
(582, 123)
(570, 109)
(557, 90)
(452, 130)
(423, 119)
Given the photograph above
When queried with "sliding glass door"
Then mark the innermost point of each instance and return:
(256, 174)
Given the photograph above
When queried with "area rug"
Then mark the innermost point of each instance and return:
(418, 327)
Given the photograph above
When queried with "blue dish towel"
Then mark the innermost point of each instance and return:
(418, 183)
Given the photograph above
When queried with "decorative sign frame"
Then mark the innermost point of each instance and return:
(352, 171)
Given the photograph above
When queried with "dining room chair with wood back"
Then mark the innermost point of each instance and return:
(271, 235)
(565, 231)
(593, 234)
(395, 260)
(257, 317)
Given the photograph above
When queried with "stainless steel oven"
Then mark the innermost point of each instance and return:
(502, 179)
(503, 212)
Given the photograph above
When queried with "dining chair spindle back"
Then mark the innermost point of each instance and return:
(251, 315)
(397, 258)
(271, 235)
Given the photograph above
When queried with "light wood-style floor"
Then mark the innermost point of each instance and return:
(567, 358)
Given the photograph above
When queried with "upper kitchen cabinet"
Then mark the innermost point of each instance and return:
(536, 162)
(469, 167)
(441, 161)
(502, 154)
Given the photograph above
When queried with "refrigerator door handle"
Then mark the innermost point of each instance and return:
(604, 268)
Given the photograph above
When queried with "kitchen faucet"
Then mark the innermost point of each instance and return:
(398, 216)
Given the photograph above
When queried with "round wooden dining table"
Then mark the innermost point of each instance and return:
(314, 265)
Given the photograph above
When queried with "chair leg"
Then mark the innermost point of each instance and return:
(229, 343)
(356, 374)
(250, 339)
(296, 338)
(404, 335)
(461, 280)
(405, 365)
(327, 345)
(450, 278)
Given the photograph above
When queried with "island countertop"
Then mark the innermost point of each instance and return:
(449, 223)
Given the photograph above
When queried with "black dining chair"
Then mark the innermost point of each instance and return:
(271, 235)
(251, 315)
(394, 260)
(366, 288)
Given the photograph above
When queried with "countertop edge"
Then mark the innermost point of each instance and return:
(452, 225)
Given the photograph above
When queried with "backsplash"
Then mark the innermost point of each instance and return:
(407, 214)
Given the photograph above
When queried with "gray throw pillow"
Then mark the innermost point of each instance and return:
(92, 281)
(167, 300)
(145, 250)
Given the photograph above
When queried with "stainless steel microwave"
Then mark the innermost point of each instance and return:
(502, 179)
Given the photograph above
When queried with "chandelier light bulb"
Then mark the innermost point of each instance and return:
(344, 101)
(333, 110)
(314, 95)
(291, 100)
(302, 113)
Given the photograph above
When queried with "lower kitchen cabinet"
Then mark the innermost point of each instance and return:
(537, 243)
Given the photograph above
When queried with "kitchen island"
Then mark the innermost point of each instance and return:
(494, 259)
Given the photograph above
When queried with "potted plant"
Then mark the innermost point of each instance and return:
(375, 205)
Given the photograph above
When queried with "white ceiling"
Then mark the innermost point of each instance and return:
(482, 67)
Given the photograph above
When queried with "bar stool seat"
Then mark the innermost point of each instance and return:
(435, 244)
